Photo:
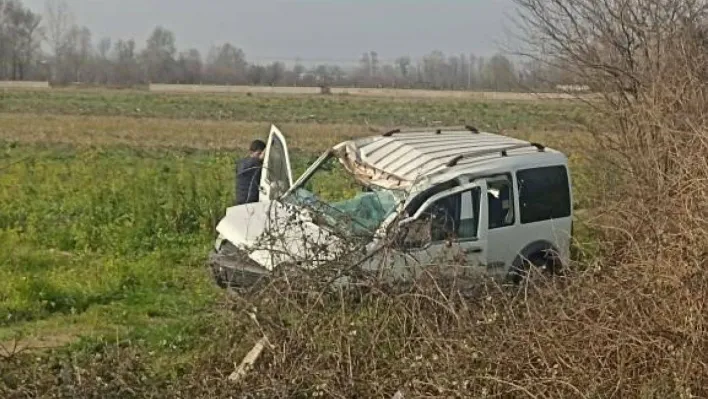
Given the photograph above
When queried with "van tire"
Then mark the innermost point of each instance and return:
(549, 264)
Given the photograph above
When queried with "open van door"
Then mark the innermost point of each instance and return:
(276, 176)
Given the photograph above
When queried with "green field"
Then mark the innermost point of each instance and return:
(109, 201)
(522, 115)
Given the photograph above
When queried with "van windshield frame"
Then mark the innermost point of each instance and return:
(360, 214)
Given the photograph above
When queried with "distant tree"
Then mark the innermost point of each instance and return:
(73, 57)
(102, 65)
(103, 47)
(257, 75)
(298, 71)
(322, 75)
(365, 68)
(159, 55)
(472, 75)
(484, 81)
(59, 19)
(126, 67)
(275, 73)
(226, 64)
(76, 54)
(389, 76)
(190, 66)
(453, 76)
(4, 42)
(336, 73)
(434, 69)
(502, 73)
(22, 36)
(374, 56)
(404, 64)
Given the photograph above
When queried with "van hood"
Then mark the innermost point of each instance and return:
(272, 233)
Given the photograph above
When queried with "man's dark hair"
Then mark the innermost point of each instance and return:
(257, 145)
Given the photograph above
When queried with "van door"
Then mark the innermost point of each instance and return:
(528, 216)
(445, 232)
(503, 239)
(277, 176)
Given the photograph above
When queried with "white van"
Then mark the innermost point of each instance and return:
(404, 200)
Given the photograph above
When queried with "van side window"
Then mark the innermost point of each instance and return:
(445, 217)
(543, 194)
(453, 217)
(501, 202)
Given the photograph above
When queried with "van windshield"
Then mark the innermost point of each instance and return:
(341, 202)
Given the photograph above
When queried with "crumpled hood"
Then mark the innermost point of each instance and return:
(272, 233)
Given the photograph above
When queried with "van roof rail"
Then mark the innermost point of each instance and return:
(454, 161)
(437, 130)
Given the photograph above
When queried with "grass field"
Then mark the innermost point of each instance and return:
(295, 109)
(109, 201)
(370, 92)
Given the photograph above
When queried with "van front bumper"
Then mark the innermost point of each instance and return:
(232, 268)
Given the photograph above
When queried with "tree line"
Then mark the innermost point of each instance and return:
(74, 56)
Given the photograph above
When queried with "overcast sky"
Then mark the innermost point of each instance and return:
(316, 31)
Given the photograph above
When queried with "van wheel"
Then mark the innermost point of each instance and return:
(547, 264)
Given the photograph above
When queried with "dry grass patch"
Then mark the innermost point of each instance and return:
(165, 133)
(371, 92)
(210, 134)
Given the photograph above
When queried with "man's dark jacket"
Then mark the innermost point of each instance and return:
(248, 178)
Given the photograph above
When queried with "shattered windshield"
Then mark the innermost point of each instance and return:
(341, 202)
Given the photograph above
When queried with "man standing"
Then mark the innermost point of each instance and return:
(248, 174)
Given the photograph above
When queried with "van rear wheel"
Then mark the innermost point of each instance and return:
(546, 263)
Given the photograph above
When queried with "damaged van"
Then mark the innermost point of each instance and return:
(402, 201)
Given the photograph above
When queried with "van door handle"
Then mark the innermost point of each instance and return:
(473, 250)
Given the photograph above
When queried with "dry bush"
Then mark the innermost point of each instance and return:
(649, 59)
(565, 338)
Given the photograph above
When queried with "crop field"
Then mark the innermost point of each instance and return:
(108, 202)
(370, 92)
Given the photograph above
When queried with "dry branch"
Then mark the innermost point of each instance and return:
(248, 361)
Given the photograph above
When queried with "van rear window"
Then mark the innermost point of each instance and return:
(544, 194)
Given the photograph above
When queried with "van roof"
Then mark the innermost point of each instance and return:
(419, 153)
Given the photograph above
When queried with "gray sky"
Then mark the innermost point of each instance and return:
(318, 31)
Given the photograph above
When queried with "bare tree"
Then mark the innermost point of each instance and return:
(625, 49)
(76, 53)
(59, 21)
(159, 55)
(22, 35)
(226, 64)
(74, 58)
(102, 65)
(4, 42)
(404, 64)
(434, 69)
(649, 61)
(126, 66)
(502, 73)
(191, 66)
(275, 73)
